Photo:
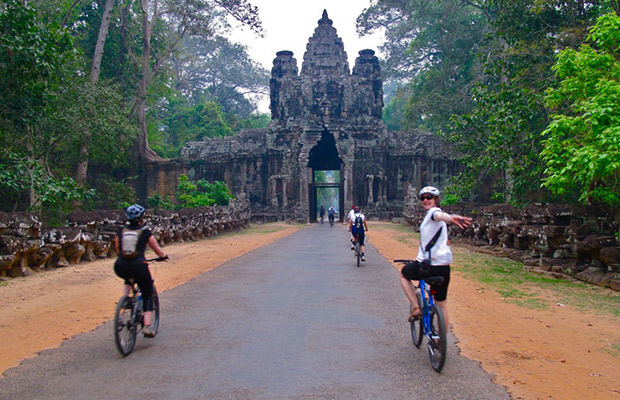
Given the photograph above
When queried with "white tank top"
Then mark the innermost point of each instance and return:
(441, 254)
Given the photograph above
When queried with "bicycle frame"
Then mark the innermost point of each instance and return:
(431, 324)
(427, 303)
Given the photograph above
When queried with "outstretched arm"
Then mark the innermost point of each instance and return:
(462, 222)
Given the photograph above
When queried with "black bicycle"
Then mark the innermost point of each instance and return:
(358, 249)
(331, 220)
(431, 324)
(129, 317)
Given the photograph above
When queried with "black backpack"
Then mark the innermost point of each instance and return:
(359, 223)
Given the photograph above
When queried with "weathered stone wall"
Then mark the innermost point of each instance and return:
(25, 246)
(578, 241)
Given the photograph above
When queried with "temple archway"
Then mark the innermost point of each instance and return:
(327, 185)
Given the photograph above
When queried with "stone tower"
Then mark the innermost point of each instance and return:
(324, 118)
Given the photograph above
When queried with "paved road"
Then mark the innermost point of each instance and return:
(293, 320)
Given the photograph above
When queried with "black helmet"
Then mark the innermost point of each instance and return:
(134, 212)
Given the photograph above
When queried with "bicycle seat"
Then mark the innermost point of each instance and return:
(438, 280)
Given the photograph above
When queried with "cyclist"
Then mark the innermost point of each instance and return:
(322, 213)
(130, 243)
(331, 214)
(359, 227)
(434, 222)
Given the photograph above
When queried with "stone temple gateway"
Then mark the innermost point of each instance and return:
(324, 118)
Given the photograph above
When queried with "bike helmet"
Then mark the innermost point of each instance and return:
(134, 212)
(433, 191)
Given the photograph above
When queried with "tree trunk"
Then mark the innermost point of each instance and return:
(82, 166)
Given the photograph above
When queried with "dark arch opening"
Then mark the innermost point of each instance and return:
(324, 157)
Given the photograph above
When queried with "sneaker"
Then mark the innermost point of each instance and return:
(352, 246)
(363, 257)
(148, 331)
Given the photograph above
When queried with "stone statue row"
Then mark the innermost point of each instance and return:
(27, 246)
(578, 241)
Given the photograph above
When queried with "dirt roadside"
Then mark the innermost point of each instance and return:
(557, 354)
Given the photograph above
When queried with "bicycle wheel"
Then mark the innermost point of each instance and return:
(124, 326)
(155, 317)
(358, 253)
(417, 326)
(438, 343)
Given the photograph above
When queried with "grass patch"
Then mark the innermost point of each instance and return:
(613, 349)
(521, 286)
(528, 289)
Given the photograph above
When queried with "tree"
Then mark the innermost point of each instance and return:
(582, 143)
(218, 70)
(431, 48)
(182, 123)
(201, 17)
(83, 160)
(500, 137)
(33, 57)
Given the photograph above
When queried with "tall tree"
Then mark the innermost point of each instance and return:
(82, 164)
(201, 17)
(582, 143)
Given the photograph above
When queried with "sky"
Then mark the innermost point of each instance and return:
(288, 24)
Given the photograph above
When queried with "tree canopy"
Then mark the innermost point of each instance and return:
(161, 71)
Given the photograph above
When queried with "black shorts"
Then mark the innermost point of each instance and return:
(413, 272)
(140, 274)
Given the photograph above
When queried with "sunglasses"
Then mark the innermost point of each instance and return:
(426, 197)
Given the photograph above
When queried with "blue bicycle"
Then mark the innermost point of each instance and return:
(431, 324)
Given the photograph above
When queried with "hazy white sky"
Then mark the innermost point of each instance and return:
(288, 25)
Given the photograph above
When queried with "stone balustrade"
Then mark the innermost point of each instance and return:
(26, 246)
(579, 241)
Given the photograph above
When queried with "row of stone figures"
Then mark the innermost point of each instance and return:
(579, 241)
(25, 246)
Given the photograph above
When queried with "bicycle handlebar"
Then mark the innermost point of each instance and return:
(158, 259)
(403, 261)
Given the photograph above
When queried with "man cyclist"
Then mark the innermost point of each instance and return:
(359, 227)
(331, 214)
(130, 243)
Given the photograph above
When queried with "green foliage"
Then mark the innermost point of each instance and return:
(159, 202)
(202, 193)
(184, 123)
(30, 54)
(18, 174)
(582, 143)
(113, 193)
(449, 199)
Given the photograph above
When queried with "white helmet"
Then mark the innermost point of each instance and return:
(433, 191)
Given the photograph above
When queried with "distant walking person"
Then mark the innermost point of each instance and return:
(322, 213)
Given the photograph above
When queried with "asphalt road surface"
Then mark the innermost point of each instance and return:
(295, 319)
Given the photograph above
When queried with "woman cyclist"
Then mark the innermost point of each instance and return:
(130, 243)
(434, 223)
